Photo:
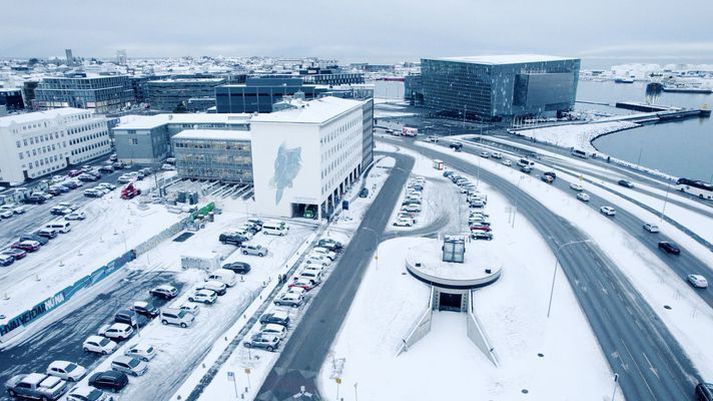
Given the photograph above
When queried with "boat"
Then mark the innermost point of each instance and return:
(683, 89)
(624, 80)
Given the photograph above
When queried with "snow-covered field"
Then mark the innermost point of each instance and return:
(578, 136)
(443, 364)
(659, 286)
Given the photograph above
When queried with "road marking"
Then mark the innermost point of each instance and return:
(651, 367)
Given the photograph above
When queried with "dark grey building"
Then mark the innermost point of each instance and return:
(172, 94)
(11, 99)
(413, 89)
(367, 133)
(258, 94)
(499, 88)
(223, 155)
(103, 94)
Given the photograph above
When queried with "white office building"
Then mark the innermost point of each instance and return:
(41, 143)
(305, 157)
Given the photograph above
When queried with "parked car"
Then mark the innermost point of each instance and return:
(607, 211)
(237, 267)
(403, 222)
(217, 287)
(274, 329)
(277, 317)
(108, 168)
(116, 331)
(224, 276)
(142, 351)
(46, 233)
(99, 345)
(290, 299)
(203, 296)
(188, 307)
(249, 249)
(6, 259)
(93, 193)
(76, 216)
(36, 385)
(65, 370)
(129, 317)
(144, 309)
(697, 280)
(330, 244)
(87, 393)
(669, 247)
(129, 365)
(28, 245)
(303, 282)
(267, 342)
(583, 197)
(481, 234)
(232, 238)
(324, 251)
(652, 228)
(177, 317)
(626, 183)
(363, 193)
(164, 291)
(109, 380)
(35, 237)
(35, 200)
(17, 254)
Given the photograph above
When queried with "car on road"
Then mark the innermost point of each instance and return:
(526, 169)
(276, 317)
(99, 345)
(669, 247)
(28, 245)
(485, 154)
(497, 155)
(292, 299)
(584, 197)
(507, 162)
(203, 296)
(6, 214)
(249, 249)
(608, 211)
(267, 342)
(697, 280)
(164, 291)
(577, 187)
(626, 183)
(109, 380)
(652, 228)
(87, 393)
(65, 370)
(144, 309)
(116, 331)
(457, 146)
(36, 385)
(237, 267)
(75, 216)
(142, 351)
(432, 138)
(129, 365)
(177, 317)
(216, 286)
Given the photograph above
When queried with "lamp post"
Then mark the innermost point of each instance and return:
(554, 274)
(665, 202)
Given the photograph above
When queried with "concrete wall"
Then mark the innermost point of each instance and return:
(420, 329)
(477, 334)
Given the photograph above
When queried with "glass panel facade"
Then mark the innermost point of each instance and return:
(213, 159)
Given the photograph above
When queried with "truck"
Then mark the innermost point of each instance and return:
(37, 386)
(409, 131)
(130, 191)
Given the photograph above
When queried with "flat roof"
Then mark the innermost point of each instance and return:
(503, 59)
(217, 134)
(314, 111)
(6, 121)
(168, 80)
(148, 122)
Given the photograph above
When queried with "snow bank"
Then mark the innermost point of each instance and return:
(578, 136)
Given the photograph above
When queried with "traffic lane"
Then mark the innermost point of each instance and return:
(597, 284)
(62, 339)
(302, 357)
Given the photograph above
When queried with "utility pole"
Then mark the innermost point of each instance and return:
(665, 202)
(616, 380)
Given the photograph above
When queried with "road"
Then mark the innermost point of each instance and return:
(303, 356)
(636, 343)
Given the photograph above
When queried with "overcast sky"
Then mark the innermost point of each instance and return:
(365, 30)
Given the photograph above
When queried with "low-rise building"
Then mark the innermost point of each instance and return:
(172, 94)
(223, 155)
(40, 143)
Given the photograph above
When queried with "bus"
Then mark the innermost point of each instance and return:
(699, 188)
(409, 131)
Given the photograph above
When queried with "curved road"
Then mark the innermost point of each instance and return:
(638, 346)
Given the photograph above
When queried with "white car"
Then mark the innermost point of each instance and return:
(576, 187)
(293, 299)
(218, 287)
(411, 208)
(326, 252)
(129, 365)
(274, 329)
(484, 154)
(652, 228)
(142, 351)
(99, 344)
(66, 370)
(6, 214)
(497, 155)
(607, 210)
(19, 210)
(583, 197)
(507, 162)
(168, 167)
(403, 222)
(203, 296)
(76, 216)
(697, 280)
(119, 331)
(190, 308)
(88, 393)
(318, 258)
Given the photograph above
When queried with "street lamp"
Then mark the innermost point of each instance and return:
(554, 274)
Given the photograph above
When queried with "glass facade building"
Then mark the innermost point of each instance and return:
(213, 155)
(102, 94)
(172, 95)
(499, 88)
(259, 94)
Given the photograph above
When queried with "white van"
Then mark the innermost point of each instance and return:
(225, 276)
(275, 228)
(61, 226)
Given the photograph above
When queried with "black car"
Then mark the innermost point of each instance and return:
(238, 267)
(71, 185)
(109, 380)
(130, 317)
(669, 247)
(551, 174)
(457, 146)
(232, 238)
(332, 245)
(363, 193)
(34, 237)
(35, 200)
(281, 318)
(54, 191)
(626, 183)
(145, 309)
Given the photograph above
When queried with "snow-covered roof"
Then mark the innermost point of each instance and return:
(315, 111)
(504, 59)
(148, 122)
(217, 134)
(6, 121)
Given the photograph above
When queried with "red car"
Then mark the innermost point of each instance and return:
(480, 228)
(306, 284)
(29, 245)
(74, 173)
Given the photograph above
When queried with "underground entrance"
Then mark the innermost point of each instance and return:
(449, 302)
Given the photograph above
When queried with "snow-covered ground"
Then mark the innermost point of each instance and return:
(659, 286)
(513, 312)
(578, 136)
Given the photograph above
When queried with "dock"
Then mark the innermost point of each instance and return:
(646, 108)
